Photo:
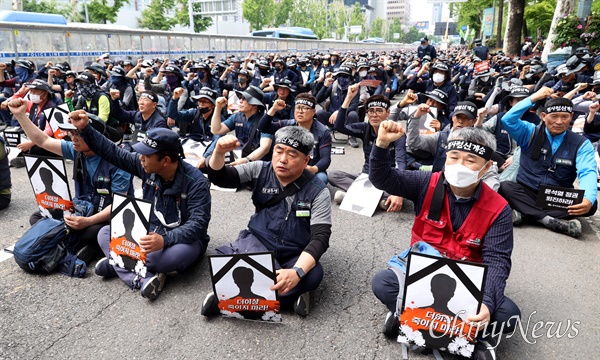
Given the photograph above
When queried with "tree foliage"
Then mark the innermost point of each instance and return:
(357, 18)
(259, 13)
(376, 29)
(182, 15)
(395, 27)
(538, 15)
(104, 11)
(153, 16)
(282, 12)
(47, 7)
(470, 13)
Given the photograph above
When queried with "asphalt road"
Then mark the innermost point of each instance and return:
(554, 279)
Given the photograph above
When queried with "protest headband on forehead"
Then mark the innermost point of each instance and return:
(471, 147)
(149, 96)
(377, 103)
(559, 108)
(306, 102)
(286, 140)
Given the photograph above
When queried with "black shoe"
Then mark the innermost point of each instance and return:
(18, 162)
(153, 287)
(391, 326)
(484, 350)
(353, 142)
(517, 218)
(302, 304)
(568, 227)
(105, 269)
(210, 305)
(88, 253)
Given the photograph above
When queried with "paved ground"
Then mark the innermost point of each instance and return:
(554, 279)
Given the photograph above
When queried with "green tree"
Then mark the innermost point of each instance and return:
(283, 11)
(538, 15)
(153, 16)
(338, 18)
(376, 28)
(259, 13)
(47, 7)
(182, 15)
(102, 12)
(411, 35)
(395, 28)
(357, 18)
(470, 13)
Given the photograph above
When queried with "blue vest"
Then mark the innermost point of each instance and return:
(277, 227)
(503, 140)
(243, 128)
(4, 168)
(98, 191)
(556, 170)
(440, 156)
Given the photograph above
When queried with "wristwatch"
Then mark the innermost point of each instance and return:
(299, 271)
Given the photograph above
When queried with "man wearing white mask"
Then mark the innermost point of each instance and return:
(458, 217)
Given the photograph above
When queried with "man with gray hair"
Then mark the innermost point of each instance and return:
(458, 217)
(292, 218)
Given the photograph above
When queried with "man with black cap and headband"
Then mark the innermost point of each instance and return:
(457, 216)
(95, 180)
(465, 115)
(378, 110)
(292, 218)
(553, 155)
(147, 115)
(180, 196)
(304, 115)
(255, 144)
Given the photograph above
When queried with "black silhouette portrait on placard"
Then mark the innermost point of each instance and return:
(442, 288)
(244, 278)
(128, 222)
(59, 117)
(48, 180)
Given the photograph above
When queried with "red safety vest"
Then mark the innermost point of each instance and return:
(467, 242)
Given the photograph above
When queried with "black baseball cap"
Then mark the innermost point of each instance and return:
(467, 108)
(206, 93)
(39, 84)
(85, 77)
(158, 139)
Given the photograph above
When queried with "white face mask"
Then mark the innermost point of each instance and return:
(461, 176)
(438, 78)
(35, 98)
(362, 73)
(484, 78)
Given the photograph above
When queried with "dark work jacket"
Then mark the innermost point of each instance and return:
(98, 192)
(440, 156)
(556, 170)
(186, 198)
(277, 227)
(4, 168)
(156, 120)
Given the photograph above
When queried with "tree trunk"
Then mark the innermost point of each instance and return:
(514, 25)
(563, 7)
(499, 28)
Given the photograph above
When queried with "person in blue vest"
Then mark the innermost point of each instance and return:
(201, 78)
(255, 144)
(197, 120)
(504, 143)
(305, 116)
(284, 90)
(292, 218)
(465, 114)
(435, 76)
(458, 217)
(181, 200)
(148, 116)
(551, 154)
(95, 180)
(5, 183)
(378, 109)
(425, 49)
